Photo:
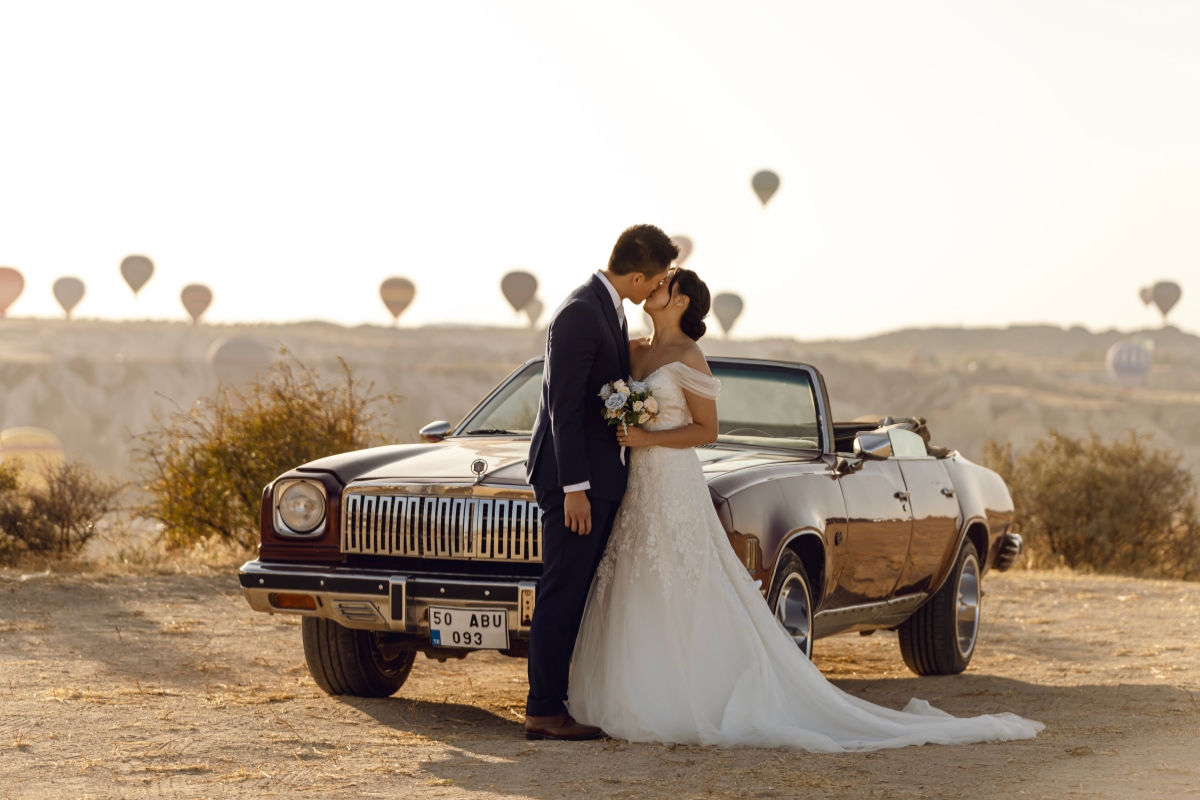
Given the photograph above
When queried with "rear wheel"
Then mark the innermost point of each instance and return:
(791, 600)
(347, 661)
(939, 638)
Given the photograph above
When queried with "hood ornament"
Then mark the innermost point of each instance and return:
(479, 467)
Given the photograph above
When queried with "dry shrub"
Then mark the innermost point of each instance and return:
(1124, 506)
(54, 517)
(204, 470)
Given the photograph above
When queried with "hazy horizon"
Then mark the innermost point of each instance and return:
(941, 165)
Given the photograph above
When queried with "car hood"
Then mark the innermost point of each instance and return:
(504, 461)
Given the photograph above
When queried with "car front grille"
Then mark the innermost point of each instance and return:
(442, 527)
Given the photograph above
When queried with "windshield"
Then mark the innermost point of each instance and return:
(513, 409)
(766, 406)
(760, 405)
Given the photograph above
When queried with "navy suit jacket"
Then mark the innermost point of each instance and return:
(572, 442)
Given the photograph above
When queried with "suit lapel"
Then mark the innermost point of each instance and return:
(614, 324)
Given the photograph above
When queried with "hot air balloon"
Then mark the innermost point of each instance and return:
(1147, 295)
(519, 288)
(727, 307)
(68, 292)
(33, 449)
(1129, 363)
(196, 298)
(534, 309)
(137, 270)
(765, 184)
(240, 360)
(684, 244)
(12, 283)
(1166, 294)
(397, 293)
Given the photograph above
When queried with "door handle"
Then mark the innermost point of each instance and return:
(948, 492)
(901, 495)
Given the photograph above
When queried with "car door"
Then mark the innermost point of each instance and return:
(878, 529)
(935, 512)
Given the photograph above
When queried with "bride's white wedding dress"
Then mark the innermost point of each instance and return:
(678, 646)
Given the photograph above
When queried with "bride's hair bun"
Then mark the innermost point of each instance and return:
(700, 302)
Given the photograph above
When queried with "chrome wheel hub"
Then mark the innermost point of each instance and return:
(967, 606)
(388, 658)
(794, 611)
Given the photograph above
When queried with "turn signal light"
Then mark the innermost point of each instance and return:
(299, 602)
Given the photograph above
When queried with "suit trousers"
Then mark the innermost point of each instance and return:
(569, 563)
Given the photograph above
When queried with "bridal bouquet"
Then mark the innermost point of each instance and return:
(628, 404)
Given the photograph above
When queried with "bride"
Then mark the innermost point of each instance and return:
(676, 643)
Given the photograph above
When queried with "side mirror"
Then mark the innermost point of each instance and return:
(847, 466)
(435, 431)
(876, 446)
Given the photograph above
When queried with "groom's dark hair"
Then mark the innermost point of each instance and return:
(642, 248)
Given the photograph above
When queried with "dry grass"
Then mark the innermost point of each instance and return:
(1109, 664)
(1124, 507)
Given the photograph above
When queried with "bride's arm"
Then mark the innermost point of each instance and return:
(702, 430)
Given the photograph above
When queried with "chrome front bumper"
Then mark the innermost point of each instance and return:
(383, 601)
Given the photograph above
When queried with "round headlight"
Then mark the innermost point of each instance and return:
(302, 507)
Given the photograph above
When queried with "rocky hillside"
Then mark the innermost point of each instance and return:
(96, 384)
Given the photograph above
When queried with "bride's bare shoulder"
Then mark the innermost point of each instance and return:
(694, 358)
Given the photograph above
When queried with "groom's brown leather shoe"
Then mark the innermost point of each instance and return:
(560, 726)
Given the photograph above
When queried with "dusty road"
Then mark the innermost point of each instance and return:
(168, 686)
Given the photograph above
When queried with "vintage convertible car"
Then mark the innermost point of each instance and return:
(436, 547)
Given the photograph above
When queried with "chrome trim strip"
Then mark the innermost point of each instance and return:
(438, 488)
(882, 608)
(399, 598)
(867, 615)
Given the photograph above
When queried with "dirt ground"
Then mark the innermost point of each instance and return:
(151, 685)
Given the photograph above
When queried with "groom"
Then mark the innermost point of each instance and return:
(575, 465)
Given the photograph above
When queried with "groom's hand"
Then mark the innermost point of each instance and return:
(577, 512)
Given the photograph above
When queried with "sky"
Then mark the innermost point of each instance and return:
(952, 163)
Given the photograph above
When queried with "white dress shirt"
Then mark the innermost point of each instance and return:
(619, 305)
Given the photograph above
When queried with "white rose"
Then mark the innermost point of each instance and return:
(643, 418)
(651, 405)
(620, 387)
(637, 405)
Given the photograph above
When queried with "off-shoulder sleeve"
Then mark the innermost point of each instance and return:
(694, 381)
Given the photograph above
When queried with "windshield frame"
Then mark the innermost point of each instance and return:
(824, 423)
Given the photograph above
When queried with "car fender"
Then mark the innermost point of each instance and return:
(987, 512)
(780, 510)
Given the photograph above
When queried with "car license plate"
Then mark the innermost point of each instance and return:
(477, 628)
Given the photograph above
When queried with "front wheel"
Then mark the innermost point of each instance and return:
(791, 600)
(347, 661)
(939, 638)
